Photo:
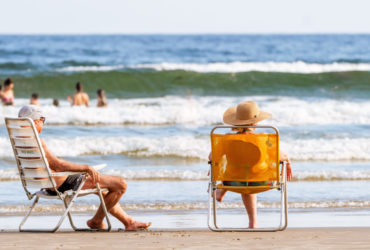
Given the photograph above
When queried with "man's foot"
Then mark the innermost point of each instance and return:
(220, 194)
(93, 225)
(137, 225)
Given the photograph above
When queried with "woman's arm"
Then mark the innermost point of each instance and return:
(284, 157)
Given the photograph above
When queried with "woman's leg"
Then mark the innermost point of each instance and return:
(250, 203)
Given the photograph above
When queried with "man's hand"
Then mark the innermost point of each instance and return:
(94, 174)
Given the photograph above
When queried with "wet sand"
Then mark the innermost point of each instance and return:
(292, 238)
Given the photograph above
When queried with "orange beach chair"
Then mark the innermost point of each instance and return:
(252, 157)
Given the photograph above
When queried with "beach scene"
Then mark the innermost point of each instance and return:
(164, 94)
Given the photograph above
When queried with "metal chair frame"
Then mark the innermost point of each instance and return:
(280, 186)
(68, 197)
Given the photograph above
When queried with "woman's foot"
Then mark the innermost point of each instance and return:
(137, 225)
(93, 225)
(220, 194)
(253, 225)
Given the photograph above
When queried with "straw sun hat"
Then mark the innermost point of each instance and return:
(245, 113)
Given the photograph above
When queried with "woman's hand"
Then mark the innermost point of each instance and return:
(289, 174)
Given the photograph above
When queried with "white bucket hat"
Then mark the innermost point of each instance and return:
(30, 111)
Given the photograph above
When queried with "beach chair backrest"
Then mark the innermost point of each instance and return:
(32, 164)
(245, 157)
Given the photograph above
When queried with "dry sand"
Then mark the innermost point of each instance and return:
(294, 238)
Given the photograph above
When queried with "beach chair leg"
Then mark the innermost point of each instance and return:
(66, 202)
(41, 230)
(87, 229)
(102, 202)
(212, 208)
(284, 202)
(69, 200)
(28, 214)
(284, 211)
(283, 216)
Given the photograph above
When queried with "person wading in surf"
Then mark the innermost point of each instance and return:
(80, 97)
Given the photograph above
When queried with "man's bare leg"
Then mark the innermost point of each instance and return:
(250, 203)
(117, 187)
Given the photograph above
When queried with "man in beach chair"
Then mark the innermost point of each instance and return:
(248, 163)
(86, 177)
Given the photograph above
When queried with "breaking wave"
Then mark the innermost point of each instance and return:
(45, 209)
(192, 175)
(233, 67)
(201, 111)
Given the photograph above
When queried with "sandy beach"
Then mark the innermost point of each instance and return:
(306, 238)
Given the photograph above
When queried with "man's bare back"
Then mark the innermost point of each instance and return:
(80, 98)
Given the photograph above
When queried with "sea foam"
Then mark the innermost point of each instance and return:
(202, 175)
(53, 208)
(233, 67)
(198, 148)
(202, 111)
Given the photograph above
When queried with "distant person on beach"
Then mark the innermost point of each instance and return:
(7, 95)
(35, 99)
(102, 100)
(56, 102)
(80, 97)
(116, 185)
(248, 113)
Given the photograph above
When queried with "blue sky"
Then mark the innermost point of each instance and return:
(183, 16)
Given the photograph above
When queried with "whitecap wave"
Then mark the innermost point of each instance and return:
(45, 209)
(233, 67)
(197, 148)
(179, 146)
(91, 68)
(320, 149)
(192, 175)
(202, 111)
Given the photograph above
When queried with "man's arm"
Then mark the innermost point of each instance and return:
(60, 165)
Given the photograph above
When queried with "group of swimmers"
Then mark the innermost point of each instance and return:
(80, 98)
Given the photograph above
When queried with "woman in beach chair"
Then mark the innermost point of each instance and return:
(248, 114)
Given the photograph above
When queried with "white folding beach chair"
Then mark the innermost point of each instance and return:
(250, 158)
(36, 175)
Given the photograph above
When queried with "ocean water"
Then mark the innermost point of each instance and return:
(165, 94)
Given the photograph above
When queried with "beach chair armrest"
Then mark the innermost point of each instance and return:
(100, 166)
(66, 173)
(96, 167)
